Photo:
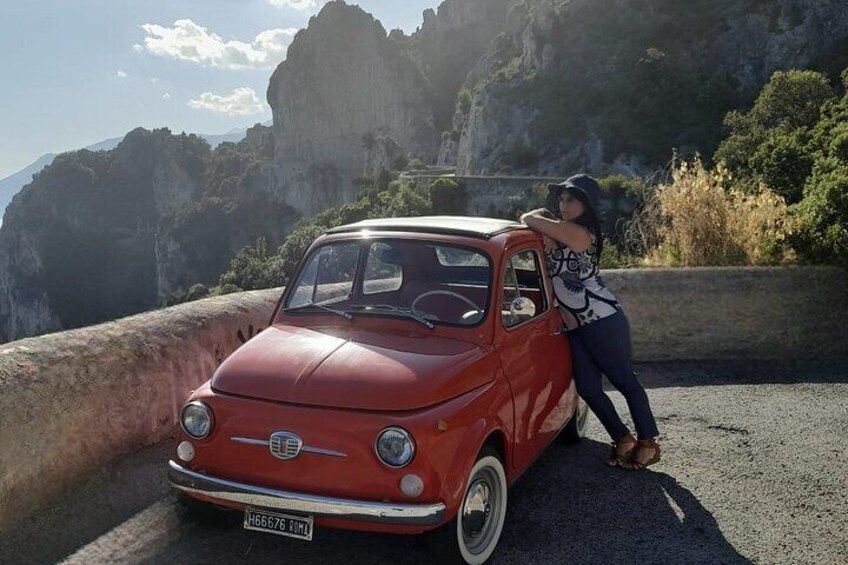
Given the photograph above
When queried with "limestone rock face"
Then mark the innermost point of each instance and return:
(22, 307)
(350, 100)
(99, 235)
(78, 242)
(344, 79)
(611, 86)
(449, 45)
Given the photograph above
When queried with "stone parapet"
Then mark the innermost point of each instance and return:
(76, 400)
(734, 312)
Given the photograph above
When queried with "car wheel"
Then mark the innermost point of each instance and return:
(575, 429)
(472, 536)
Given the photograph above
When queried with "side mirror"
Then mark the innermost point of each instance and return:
(522, 307)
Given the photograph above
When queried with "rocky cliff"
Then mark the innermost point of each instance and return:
(351, 99)
(98, 235)
(613, 85)
(345, 88)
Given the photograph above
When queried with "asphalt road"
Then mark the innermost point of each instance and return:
(754, 470)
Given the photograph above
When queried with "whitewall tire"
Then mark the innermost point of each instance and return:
(473, 535)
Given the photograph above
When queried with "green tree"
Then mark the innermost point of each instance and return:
(252, 268)
(448, 197)
(822, 234)
(783, 162)
(770, 144)
(791, 99)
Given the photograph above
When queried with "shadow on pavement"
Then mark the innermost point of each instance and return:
(741, 372)
(89, 508)
(569, 507)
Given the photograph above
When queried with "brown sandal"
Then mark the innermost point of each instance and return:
(635, 462)
(622, 451)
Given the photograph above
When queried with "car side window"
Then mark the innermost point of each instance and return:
(523, 279)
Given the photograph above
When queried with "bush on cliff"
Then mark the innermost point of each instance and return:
(773, 143)
(448, 198)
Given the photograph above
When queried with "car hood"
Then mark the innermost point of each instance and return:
(356, 369)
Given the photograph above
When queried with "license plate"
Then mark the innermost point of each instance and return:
(299, 527)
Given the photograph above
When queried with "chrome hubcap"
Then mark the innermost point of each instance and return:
(477, 508)
(480, 510)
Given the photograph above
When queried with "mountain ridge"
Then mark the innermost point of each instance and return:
(13, 183)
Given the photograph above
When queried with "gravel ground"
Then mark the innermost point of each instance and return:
(752, 472)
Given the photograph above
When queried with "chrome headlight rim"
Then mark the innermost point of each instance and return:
(207, 411)
(407, 436)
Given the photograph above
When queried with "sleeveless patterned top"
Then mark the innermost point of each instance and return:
(580, 293)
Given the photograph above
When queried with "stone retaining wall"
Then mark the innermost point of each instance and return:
(75, 400)
(732, 313)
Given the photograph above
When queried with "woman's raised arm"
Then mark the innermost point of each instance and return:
(575, 236)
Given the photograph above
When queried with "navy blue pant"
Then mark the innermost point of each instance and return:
(603, 346)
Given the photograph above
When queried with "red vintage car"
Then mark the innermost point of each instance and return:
(413, 369)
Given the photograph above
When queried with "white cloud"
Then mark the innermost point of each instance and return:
(121, 74)
(155, 80)
(242, 102)
(300, 5)
(166, 96)
(138, 48)
(188, 41)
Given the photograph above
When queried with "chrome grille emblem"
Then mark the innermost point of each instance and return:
(285, 445)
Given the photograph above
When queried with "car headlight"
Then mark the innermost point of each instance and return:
(395, 447)
(196, 419)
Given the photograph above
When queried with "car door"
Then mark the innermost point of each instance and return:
(534, 356)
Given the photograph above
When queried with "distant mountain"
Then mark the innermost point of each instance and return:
(10, 185)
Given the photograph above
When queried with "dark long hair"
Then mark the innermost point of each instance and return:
(589, 219)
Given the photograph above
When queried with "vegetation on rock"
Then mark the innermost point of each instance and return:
(254, 267)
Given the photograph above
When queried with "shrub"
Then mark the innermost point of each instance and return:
(770, 144)
(447, 197)
(783, 162)
(464, 100)
(252, 268)
(196, 292)
(822, 234)
(695, 221)
(624, 195)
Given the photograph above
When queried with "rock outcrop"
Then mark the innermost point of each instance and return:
(612, 85)
(351, 99)
(99, 235)
(344, 80)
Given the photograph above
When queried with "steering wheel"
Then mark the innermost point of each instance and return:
(447, 293)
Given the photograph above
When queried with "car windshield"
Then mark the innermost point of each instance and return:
(422, 281)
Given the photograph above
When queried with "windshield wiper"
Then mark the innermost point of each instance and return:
(342, 313)
(408, 313)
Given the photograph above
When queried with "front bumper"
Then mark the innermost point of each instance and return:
(377, 512)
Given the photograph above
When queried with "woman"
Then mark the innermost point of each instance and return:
(597, 328)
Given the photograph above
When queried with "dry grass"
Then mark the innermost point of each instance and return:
(696, 221)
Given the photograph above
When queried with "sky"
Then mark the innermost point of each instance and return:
(75, 72)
